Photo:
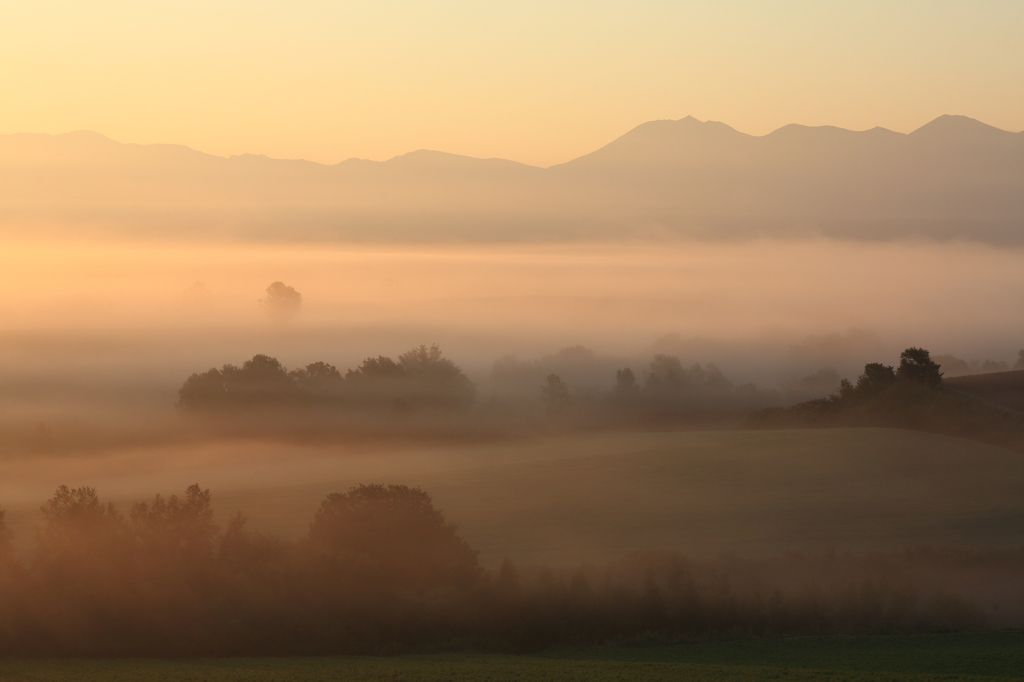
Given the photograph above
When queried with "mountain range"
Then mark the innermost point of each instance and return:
(954, 178)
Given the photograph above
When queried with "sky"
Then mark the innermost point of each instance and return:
(539, 82)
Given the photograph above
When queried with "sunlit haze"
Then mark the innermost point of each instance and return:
(534, 341)
(535, 82)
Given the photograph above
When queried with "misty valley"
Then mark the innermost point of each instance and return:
(511, 342)
(229, 472)
(697, 404)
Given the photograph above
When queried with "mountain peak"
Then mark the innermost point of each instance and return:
(963, 127)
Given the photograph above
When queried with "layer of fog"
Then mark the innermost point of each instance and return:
(96, 340)
(565, 499)
(130, 315)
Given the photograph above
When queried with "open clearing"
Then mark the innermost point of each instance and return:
(579, 498)
(963, 656)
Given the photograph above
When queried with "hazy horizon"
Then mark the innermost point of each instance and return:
(953, 179)
(536, 82)
(367, 329)
(600, 145)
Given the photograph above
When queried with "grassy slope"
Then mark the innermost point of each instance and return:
(591, 497)
(969, 656)
(595, 496)
(1002, 389)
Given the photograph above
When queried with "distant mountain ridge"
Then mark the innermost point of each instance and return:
(952, 178)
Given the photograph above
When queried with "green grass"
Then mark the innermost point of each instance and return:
(967, 656)
(991, 654)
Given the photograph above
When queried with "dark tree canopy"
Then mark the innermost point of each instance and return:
(259, 381)
(392, 534)
(555, 393)
(909, 397)
(71, 507)
(917, 366)
(78, 532)
(422, 378)
(876, 377)
(175, 527)
(317, 379)
(379, 367)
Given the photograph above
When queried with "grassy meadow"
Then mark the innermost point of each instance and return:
(917, 658)
(568, 499)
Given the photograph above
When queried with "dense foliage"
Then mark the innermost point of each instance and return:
(381, 570)
(427, 392)
(421, 378)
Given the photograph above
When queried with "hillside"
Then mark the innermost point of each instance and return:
(1003, 389)
(952, 178)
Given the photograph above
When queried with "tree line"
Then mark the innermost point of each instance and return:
(909, 396)
(420, 378)
(669, 393)
(381, 570)
(262, 394)
(423, 380)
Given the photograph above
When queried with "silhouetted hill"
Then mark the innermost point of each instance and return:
(952, 178)
(1003, 389)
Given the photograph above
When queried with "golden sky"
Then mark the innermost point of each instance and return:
(534, 81)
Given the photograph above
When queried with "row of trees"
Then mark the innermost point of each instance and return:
(907, 396)
(420, 378)
(669, 393)
(381, 570)
(424, 380)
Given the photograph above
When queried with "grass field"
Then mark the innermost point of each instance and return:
(580, 498)
(1002, 389)
(965, 656)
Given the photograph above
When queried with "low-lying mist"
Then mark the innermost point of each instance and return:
(565, 406)
(171, 306)
(99, 337)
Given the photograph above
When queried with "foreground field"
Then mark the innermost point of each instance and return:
(591, 497)
(967, 656)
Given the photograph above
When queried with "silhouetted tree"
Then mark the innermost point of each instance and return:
(666, 373)
(282, 302)
(383, 570)
(75, 521)
(422, 377)
(260, 381)
(875, 378)
(203, 391)
(1020, 360)
(176, 529)
(434, 379)
(376, 368)
(917, 367)
(84, 555)
(318, 380)
(626, 390)
(393, 537)
(555, 394)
